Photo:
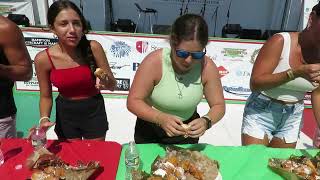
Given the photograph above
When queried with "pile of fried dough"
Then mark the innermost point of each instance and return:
(47, 166)
(297, 167)
(180, 164)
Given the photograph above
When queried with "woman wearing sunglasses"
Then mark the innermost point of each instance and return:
(171, 82)
(286, 68)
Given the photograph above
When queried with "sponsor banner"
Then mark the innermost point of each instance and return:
(234, 60)
(17, 7)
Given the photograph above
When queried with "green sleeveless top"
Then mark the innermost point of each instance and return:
(177, 94)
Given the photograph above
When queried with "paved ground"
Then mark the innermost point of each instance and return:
(225, 133)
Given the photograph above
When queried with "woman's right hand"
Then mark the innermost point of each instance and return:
(171, 124)
(310, 72)
(106, 84)
(46, 124)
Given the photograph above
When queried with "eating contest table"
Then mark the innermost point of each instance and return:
(16, 151)
(236, 163)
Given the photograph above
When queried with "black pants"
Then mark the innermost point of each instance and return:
(84, 118)
(147, 132)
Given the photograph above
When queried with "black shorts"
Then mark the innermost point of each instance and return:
(84, 118)
(147, 132)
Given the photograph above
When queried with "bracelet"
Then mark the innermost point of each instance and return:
(208, 121)
(290, 74)
(44, 117)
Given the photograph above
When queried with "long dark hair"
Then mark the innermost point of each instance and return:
(84, 45)
(316, 8)
(189, 27)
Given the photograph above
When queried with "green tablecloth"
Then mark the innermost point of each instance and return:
(236, 163)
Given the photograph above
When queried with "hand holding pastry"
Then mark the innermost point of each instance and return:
(104, 82)
(101, 74)
(170, 124)
(186, 127)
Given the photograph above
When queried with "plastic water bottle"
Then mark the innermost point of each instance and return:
(316, 139)
(1, 158)
(132, 159)
(38, 138)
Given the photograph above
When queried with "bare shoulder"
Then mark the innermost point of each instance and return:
(95, 45)
(42, 59)
(209, 70)
(208, 63)
(276, 39)
(151, 65)
(8, 30)
(6, 25)
(271, 50)
(154, 58)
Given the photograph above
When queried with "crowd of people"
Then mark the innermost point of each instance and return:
(168, 85)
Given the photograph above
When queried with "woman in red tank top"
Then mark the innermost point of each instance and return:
(69, 65)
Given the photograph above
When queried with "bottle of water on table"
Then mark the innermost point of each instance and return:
(38, 138)
(1, 158)
(132, 159)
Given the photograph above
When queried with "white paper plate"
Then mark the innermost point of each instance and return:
(219, 177)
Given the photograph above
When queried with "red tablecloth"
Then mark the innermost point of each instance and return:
(16, 152)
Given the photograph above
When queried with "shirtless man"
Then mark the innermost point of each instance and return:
(15, 65)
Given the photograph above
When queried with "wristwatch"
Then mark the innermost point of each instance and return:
(208, 120)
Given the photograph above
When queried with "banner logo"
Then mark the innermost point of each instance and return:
(233, 52)
(222, 71)
(114, 65)
(142, 46)
(240, 91)
(243, 73)
(123, 84)
(254, 56)
(154, 47)
(135, 66)
(40, 42)
(6, 9)
(120, 49)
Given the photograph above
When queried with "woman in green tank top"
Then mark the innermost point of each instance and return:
(171, 82)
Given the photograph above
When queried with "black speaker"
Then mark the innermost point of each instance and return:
(231, 29)
(19, 19)
(161, 29)
(123, 25)
(250, 34)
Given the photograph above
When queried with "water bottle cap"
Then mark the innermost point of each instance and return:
(132, 143)
(39, 131)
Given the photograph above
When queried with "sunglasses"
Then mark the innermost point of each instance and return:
(195, 55)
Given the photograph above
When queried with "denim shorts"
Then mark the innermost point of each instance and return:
(8, 127)
(263, 115)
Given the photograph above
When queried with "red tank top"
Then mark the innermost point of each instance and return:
(73, 82)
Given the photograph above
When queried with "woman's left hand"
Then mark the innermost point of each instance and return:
(106, 84)
(197, 128)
